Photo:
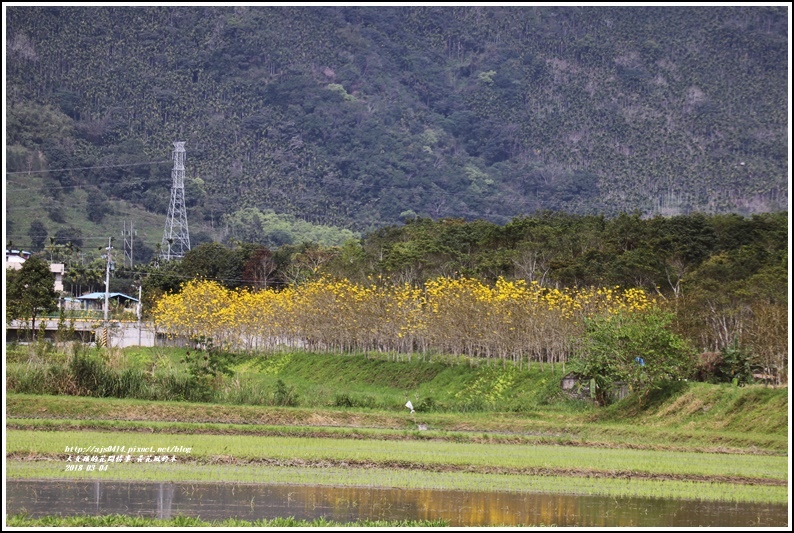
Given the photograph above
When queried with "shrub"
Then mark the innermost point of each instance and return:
(425, 405)
(131, 383)
(343, 400)
(206, 370)
(346, 400)
(244, 392)
(285, 396)
(91, 376)
(174, 386)
(634, 348)
(732, 364)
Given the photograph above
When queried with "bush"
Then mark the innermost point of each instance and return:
(92, 376)
(343, 400)
(285, 396)
(131, 383)
(206, 370)
(26, 379)
(635, 348)
(244, 392)
(425, 405)
(346, 400)
(175, 387)
(730, 365)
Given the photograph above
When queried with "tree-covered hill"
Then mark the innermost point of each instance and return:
(360, 116)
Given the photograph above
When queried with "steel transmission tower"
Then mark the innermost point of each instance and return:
(129, 236)
(176, 239)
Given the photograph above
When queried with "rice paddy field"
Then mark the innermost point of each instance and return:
(341, 421)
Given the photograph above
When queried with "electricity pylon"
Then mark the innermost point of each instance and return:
(176, 239)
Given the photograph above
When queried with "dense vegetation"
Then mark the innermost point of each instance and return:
(289, 379)
(282, 394)
(313, 131)
(724, 277)
(512, 321)
(359, 116)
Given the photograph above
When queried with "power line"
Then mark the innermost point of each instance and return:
(83, 185)
(180, 276)
(20, 236)
(87, 168)
(132, 274)
(434, 188)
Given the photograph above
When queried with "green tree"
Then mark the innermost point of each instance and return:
(30, 292)
(208, 260)
(638, 349)
(69, 234)
(38, 235)
(160, 279)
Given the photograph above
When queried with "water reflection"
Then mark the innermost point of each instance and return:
(214, 501)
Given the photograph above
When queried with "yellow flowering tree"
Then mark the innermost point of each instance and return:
(509, 321)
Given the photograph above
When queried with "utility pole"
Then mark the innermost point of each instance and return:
(176, 238)
(140, 309)
(107, 280)
(107, 287)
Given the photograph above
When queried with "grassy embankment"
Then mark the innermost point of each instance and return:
(674, 446)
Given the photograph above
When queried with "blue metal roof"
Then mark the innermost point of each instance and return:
(101, 296)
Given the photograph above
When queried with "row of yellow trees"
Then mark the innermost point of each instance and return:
(509, 320)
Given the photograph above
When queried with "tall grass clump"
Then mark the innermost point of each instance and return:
(243, 390)
(173, 386)
(34, 378)
(305, 379)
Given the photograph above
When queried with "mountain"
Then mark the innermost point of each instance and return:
(359, 117)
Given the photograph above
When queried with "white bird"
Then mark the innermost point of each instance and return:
(410, 406)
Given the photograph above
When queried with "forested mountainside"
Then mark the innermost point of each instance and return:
(360, 116)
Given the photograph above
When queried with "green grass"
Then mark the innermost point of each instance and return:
(707, 406)
(646, 430)
(614, 437)
(513, 456)
(376, 382)
(687, 441)
(21, 520)
(272, 430)
(410, 479)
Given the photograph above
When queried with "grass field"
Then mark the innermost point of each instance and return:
(408, 452)
(692, 441)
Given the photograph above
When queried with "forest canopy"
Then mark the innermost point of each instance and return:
(357, 117)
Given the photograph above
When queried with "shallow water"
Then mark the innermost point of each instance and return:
(215, 501)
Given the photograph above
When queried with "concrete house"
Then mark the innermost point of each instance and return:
(16, 258)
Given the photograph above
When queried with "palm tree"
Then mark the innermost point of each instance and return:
(73, 251)
(77, 275)
(51, 247)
